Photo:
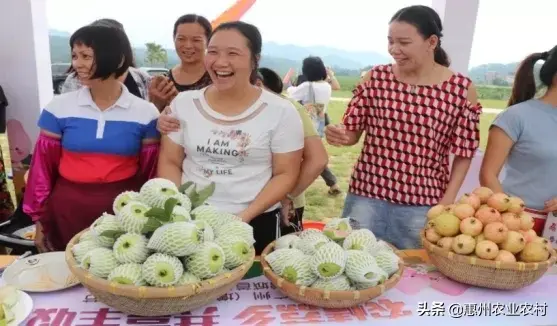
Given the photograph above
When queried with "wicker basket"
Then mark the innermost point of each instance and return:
(485, 273)
(326, 298)
(152, 301)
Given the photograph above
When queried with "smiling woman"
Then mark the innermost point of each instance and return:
(245, 139)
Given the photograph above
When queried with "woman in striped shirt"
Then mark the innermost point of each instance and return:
(415, 113)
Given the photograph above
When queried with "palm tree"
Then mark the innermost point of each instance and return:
(156, 55)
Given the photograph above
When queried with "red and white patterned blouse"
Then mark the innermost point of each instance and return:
(409, 131)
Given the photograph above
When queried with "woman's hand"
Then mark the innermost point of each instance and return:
(161, 91)
(336, 135)
(41, 240)
(550, 205)
(166, 123)
(286, 211)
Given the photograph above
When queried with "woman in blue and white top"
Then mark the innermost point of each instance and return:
(523, 138)
(94, 143)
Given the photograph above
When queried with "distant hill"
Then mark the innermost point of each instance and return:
(282, 57)
(279, 57)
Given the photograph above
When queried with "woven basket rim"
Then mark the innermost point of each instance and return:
(329, 295)
(150, 292)
(517, 266)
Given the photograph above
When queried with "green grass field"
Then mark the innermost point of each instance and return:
(341, 160)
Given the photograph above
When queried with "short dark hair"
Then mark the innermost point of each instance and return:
(314, 69)
(253, 38)
(524, 86)
(111, 46)
(271, 80)
(108, 22)
(193, 19)
(428, 23)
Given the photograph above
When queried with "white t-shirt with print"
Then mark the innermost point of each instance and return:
(234, 152)
(322, 92)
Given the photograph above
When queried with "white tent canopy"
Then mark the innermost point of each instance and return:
(25, 72)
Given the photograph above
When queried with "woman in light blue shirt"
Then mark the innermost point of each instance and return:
(524, 139)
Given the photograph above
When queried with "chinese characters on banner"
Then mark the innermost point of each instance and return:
(254, 302)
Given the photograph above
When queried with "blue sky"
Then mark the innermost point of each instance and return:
(506, 31)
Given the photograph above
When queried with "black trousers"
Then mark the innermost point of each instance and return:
(266, 229)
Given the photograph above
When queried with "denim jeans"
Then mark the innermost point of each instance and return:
(399, 225)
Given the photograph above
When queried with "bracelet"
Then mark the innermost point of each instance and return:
(289, 197)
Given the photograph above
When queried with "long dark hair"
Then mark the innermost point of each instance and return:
(524, 86)
(428, 23)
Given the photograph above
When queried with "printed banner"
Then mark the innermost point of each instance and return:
(422, 294)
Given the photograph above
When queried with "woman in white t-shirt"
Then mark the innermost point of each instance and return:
(246, 140)
(315, 94)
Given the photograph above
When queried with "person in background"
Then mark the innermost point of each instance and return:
(314, 157)
(522, 138)
(245, 139)
(136, 80)
(331, 79)
(94, 143)
(410, 131)
(315, 94)
(190, 33)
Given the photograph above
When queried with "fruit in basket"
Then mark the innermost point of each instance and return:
(329, 260)
(431, 235)
(543, 241)
(511, 220)
(157, 191)
(131, 248)
(514, 242)
(534, 252)
(82, 248)
(298, 270)
(236, 250)
(337, 229)
(123, 199)
(286, 241)
(447, 225)
(505, 256)
(99, 262)
(357, 262)
(446, 242)
(486, 249)
(207, 261)
(363, 269)
(132, 217)
(516, 205)
(127, 274)
(162, 270)
(176, 239)
(435, 211)
(487, 215)
(106, 222)
(499, 227)
(470, 199)
(526, 221)
(471, 226)
(361, 239)
(496, 232)
(529, 235)
(463, 244)
(499, 201)
(340, 283)
(483, 193)
(463, 211)
(168, 235)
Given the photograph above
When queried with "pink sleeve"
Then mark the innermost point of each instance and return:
(42, 175)
(148, 160)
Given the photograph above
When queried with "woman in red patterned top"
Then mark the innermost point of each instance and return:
(414, 113)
